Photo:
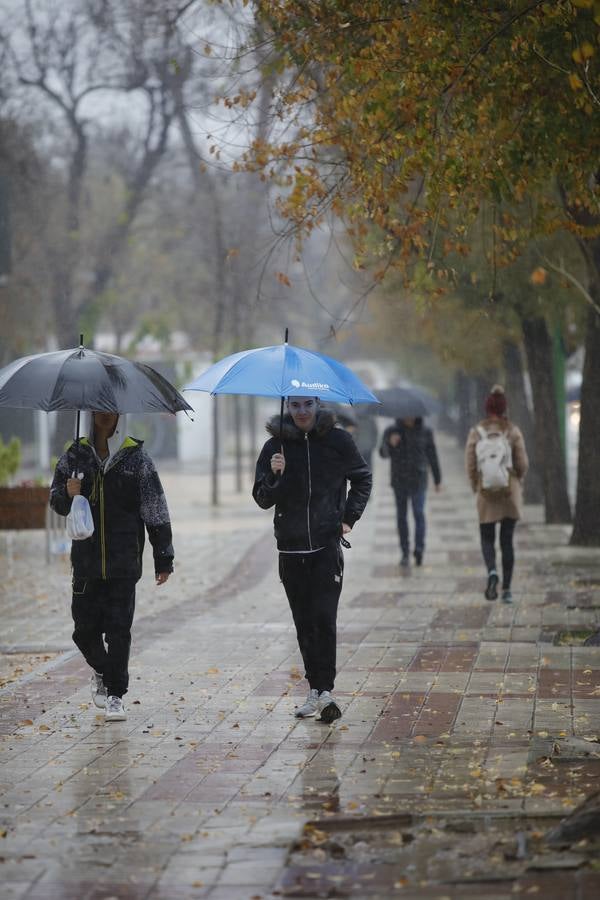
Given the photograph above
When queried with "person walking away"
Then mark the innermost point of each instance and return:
(303, 471)
(496, 463)
(125, 495)
(410, 447)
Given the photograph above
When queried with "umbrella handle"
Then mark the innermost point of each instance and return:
(77, 436)
(287, 331)
(281, 423)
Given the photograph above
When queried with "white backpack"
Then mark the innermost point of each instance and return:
(494, 460)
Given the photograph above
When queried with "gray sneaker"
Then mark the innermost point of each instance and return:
(114, 711)
(310, 705)
(328, 708)
(507, 596)
(98, 689)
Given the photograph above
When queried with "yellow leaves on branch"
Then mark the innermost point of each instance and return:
(583, 52)
(418, 107)
(575, 81)
(538, 276)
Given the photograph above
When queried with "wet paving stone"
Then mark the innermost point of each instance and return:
(452, 708)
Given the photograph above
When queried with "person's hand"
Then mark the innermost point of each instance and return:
(278, 464)
(162, 577)
(394, 439)
(346, 528)
(73, 487)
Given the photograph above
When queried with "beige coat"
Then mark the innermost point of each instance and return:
(509, 506)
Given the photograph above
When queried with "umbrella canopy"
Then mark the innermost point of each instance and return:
(405, 403)
(283, 371)
(82, 379)
(344, 414)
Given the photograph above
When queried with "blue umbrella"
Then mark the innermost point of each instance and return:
(283, 371)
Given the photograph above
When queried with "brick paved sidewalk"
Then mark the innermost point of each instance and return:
(465, 723)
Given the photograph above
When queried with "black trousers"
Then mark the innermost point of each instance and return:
(105, 608)
(487, 532)
(313, 583)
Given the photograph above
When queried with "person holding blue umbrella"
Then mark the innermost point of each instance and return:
(303, 471)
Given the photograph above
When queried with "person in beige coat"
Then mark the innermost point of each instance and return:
(502, 506)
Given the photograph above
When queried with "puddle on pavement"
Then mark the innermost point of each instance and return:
(572, 638)
(350, 857)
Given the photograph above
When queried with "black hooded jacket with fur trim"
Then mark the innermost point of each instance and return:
(310, 497)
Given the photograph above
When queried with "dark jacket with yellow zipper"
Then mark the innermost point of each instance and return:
(125, 500)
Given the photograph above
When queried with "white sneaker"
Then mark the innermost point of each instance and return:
(115, 711)
(328, 708)
(310, 705)
(98, 689)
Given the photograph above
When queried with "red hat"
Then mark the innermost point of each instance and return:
(495, 404)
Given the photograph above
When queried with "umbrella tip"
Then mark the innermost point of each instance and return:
(81, 341)
(286, 336)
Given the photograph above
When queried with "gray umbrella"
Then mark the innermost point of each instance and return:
(82, 379)
(86, 379)
(404, 403)
(344, 414)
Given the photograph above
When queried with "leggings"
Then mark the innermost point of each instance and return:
(488, 539)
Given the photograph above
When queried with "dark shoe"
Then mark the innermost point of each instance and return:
(404, 561)
(328, 708)
(491, 591)
(418, 558)
(507, 595)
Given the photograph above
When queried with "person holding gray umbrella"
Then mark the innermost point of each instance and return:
(125, 494)
(123, 489)
(410, 447)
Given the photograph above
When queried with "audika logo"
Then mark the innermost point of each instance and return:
(310, 385)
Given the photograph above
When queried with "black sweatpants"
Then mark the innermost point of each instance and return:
(106, 608)
(313, 583)
(487, 532)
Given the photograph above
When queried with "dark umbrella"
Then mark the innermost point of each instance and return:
(345, 415)
(404, 403)
(82, 379)
(86, 379)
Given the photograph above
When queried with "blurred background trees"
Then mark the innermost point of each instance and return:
(415, 182)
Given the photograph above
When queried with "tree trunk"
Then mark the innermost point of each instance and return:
(586, 525)
(520, 413)
(463, 401)
(549, 451)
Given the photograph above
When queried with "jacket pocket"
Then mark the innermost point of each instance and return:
(79, 586)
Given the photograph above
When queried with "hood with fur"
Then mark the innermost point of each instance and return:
(324, 423)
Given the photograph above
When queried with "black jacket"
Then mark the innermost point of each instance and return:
(310, 497)
(412, 457)
(124, 499)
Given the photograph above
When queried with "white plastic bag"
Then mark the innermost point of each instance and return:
(80, 524)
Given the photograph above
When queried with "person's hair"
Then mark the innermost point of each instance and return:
(495, 402)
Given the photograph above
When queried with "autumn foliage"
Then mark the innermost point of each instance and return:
(406, 114)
